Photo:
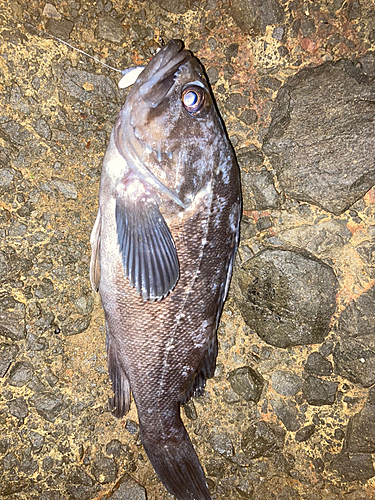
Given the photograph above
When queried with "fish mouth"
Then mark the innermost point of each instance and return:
(153, 85)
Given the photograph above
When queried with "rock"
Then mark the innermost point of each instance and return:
(286, 383)
(48, 405)
(222, 443)
(287, 296)
(20, 373)
(287, 413)
(110, 29)
(319, 392)
(18, 408)
(262, 439)
(253, 16)
(129, 490)
(114, 448)
(66, 188)
(360, 436)
(355, 361)
(258, 191)
(12, 318)
(247, 383)
(305, 433)
(104, 470)
(319, 147)
(358, 319)
(59, 28)
(175, 6)
(316, 364)
(79, 476)
(8, 353)
(36, 440)
(357, 467)
(132, 427)
(42, 128)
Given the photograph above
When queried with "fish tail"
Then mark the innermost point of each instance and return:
(176, 463)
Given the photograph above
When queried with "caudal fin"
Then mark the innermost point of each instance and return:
(177, 465)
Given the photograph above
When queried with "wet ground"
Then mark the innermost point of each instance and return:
(290, 411)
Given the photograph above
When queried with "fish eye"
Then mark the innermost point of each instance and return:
(193, 98)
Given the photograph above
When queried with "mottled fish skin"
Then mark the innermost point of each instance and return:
(170, 173)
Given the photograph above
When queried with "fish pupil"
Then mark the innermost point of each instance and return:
(191, 98)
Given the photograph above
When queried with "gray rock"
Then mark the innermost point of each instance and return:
(319, 392)
(132, 427)
(355, 361)
(129, 490)
(42, 128)
(222, 444)
(79, 476)
(287, 296)
(286, 383)
(66, 188)
(287, 413)
(253, 16)
(319, 147)
(175, 6)
(18, 408)
(318, 365)
(305, 433)
(44, 288)
(114, 448)
(12, 318)
(48, 405)
(104, 470)
(20, 373)
(36, 440)
(75, 324)
(360, 436)
(110, 29)
(8, 354)
(357, 467)
(60, 28)
(262, 439)
(247, 383)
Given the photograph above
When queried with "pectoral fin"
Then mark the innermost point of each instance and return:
(148, 251)
(95, 249)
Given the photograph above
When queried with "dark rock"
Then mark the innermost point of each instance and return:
(48, 405)
(110, 29)
(129, 490)
(79, 492)
(174, 6)
(132, 427)
(66, 188)
(355, 361)
(357, 321)
(12, 318)
(60, 29)
(357, 467)
(5, 444)
(262, 439)
(249, 116)
(231, 52)
(245, 489)
(287, 413)
(20, 373)
(36, 440)
(287, 296)
(79, 476)
(190, 410)
(237, 103)
(258, 191)
(42, 128)
(253, 16)
(317, 365)
(286, 383)
(114, 448)
(264, 223)
(249, 158)
(305, 433)
(8, 354)
(44, 288)
(319, 392)
(270, 82)
(18, 408)
(75, 324)
(360, 436)
(51, 495)
(319, 147)
(11, 264)
(367, 252)
(222, 444)
(104, 470)
(247, 383)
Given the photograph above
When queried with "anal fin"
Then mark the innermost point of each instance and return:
(119, 404)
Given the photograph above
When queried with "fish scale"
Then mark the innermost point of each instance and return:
(161, 320)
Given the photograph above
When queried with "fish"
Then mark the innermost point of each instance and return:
(163, 247)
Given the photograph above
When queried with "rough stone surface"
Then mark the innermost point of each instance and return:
(253, 16)
(247, 383)
(262, 439)
(319, 147)
(319, 392)
(129, 490)
(355, 361)
(12, 318)
(288, 297)
(316, 364)
(360, 437)
(286, 383)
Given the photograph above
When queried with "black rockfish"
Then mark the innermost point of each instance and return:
(163, 247)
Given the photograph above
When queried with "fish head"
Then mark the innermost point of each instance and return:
(169, 130)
